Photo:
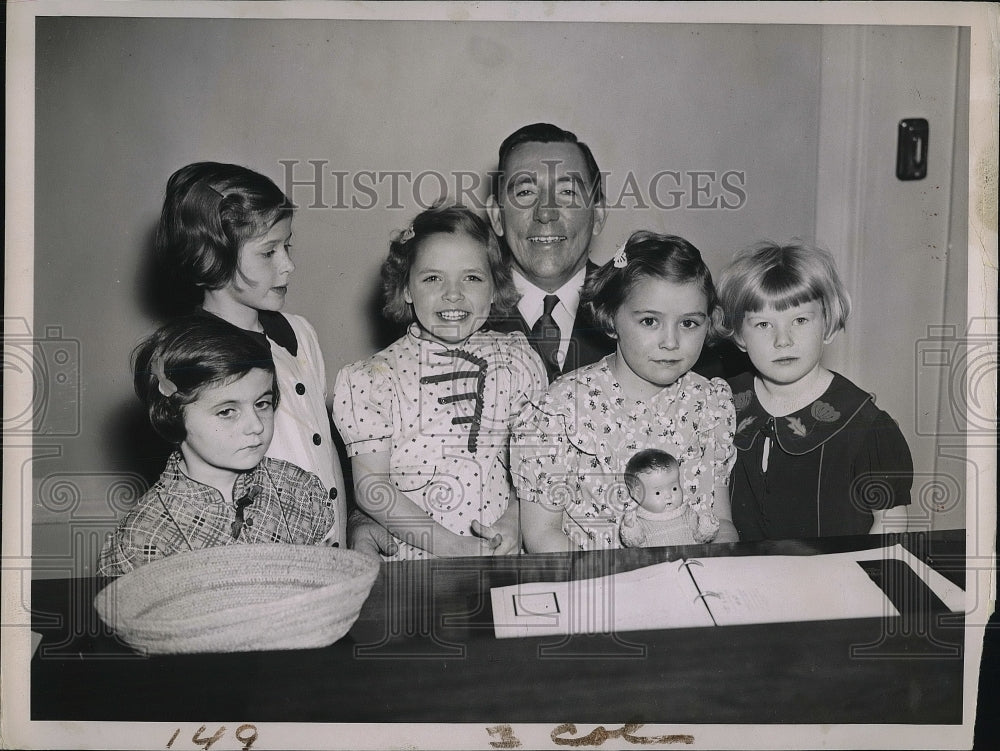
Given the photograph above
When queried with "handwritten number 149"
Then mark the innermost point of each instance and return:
(246, 734)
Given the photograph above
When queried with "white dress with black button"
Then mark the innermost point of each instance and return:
(443, 414)
(301, 424)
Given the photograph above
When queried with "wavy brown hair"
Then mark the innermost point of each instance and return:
(447, 219)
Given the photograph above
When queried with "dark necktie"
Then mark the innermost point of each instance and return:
(546, 335)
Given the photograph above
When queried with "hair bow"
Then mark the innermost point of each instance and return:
(406, 235)
(620, 259)
(166, 387)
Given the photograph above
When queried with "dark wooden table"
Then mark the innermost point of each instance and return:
(424, 650)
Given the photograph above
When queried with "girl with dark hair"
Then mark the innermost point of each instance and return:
(210, 389)
(225, 238)
(569, 448)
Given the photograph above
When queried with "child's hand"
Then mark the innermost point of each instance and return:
(708, 528)
(500, 542)
(630, 532)
(368, 536)
(464, 545)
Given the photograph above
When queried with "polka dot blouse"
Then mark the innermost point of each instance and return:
(443, 414)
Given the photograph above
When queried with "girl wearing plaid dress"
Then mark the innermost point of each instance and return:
(224, 239)
(210, 389)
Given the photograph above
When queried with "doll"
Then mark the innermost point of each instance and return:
(661, 517)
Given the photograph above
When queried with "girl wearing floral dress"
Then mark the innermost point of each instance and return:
(426, 421)
(570, 447)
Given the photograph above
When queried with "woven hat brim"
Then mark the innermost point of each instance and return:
(240, 598)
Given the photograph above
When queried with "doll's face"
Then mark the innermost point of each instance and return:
(659, 490)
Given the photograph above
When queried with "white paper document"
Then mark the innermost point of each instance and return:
(950, 593)
(719, 591)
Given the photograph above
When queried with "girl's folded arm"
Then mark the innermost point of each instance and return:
(122, 551)
(326, 522)
(377, 496)
(722, 455)
(532, 451)
(887, 458)
(114, 559)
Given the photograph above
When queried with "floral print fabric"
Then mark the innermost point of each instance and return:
(569, 448)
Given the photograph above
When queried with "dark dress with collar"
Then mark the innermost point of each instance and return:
(588, 343)
(830, 465)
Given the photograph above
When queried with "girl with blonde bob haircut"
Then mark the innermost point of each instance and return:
(815, 456)
(783, 276)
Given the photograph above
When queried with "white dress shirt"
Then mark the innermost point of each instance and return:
(532, 303)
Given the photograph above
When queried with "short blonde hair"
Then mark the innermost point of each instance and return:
(782, 276)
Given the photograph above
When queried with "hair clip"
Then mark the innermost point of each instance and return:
(166, 387)
(217, 192)
(620, 259)
(406, 235)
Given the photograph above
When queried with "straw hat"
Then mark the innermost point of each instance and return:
(237, 598)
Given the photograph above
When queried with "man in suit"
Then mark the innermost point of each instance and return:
(547, 206)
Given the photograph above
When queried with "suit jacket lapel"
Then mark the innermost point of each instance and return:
(588, 343)
(508, 323)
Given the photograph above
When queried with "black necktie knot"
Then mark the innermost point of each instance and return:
(545, 334)
(549, 304)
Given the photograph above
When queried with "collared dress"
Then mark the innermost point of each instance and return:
(302, 432)
(289, 505)
(829, 465)
(443, 414)
(569, 448)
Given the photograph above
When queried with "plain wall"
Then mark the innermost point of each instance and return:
(122, 103)
(901, 245)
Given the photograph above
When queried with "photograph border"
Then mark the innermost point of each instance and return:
(17, 644)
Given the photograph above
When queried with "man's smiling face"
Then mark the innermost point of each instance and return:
(546, 213)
